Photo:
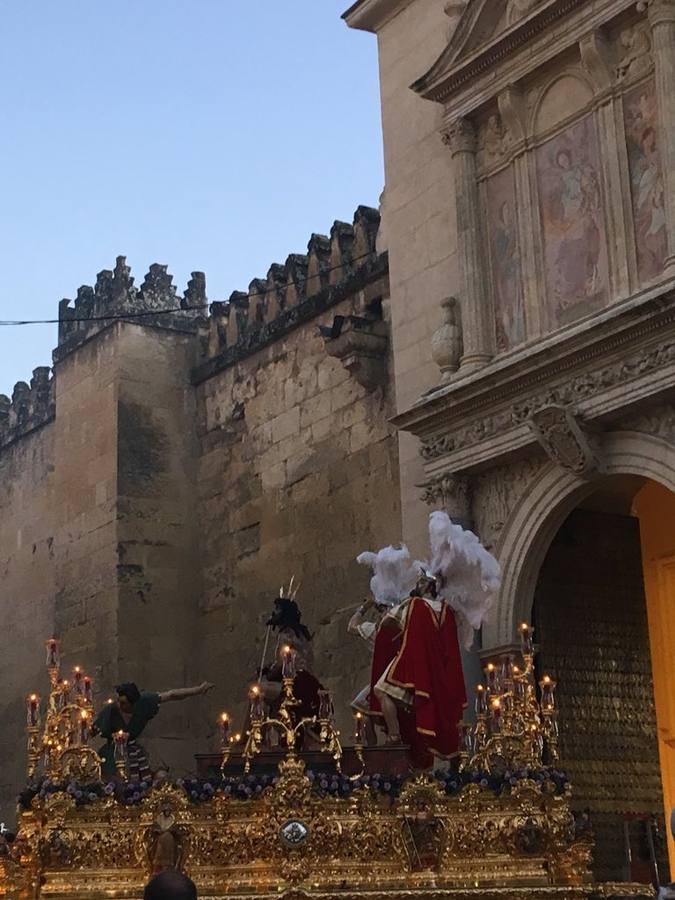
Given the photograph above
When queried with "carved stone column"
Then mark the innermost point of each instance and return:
(460, 136)
(661, 15)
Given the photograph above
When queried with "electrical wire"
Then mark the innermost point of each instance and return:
(9, 323)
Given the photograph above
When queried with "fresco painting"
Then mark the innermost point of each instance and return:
(573, 227)
(646, 179)
(505, 260)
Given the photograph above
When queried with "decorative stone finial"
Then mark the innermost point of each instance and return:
(446, 343)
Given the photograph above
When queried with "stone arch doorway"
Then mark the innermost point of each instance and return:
(593, 562)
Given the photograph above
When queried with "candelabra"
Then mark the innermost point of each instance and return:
(287, 725)
(513, 728)
(60, 747)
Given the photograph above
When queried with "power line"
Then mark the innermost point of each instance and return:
(10, 323)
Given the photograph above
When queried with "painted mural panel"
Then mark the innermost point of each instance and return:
(646, 179)
(572, 221)
(505, 260)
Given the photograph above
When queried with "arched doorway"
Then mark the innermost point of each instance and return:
(593, 610)
(638, 484)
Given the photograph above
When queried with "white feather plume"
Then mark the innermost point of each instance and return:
(394, 574)
(471, 575)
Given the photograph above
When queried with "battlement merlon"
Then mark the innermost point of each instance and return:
(335, 266)
(30, 407)
(156, 302)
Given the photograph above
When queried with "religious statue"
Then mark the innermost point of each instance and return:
(130, 714)
(293, 635)
(393, 578)
(421, 691)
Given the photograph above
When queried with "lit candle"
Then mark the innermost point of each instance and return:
(481, 700)
(64, 694)
(496, 723)
(492, 676)
(257, 705)
(120, 739)
(466, 735)
(78, 675)
(359, 728)
(224, 727)
(84, 726)
(87, 689)
(288, 663)
(526, 639)
(507, 669)
(325, 705)
(33, 710)
(547, 685)
(52, 653)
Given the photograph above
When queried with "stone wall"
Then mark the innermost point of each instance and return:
(178, 467)
(27, 593)
(298, 474)
(419, 219)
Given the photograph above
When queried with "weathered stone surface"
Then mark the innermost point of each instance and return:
(156, 490)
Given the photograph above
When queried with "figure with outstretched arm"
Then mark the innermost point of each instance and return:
(131, 713)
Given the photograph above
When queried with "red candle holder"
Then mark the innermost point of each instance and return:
(33, 710)
(53, 658)
(224, 723)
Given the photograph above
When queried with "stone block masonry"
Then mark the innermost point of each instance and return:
(174, 468)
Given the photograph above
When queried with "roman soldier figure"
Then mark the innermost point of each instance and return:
(393, 577)
(420, 690)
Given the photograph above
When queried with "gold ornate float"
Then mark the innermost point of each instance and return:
(500, 826)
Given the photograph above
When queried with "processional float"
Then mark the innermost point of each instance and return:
(496, 824)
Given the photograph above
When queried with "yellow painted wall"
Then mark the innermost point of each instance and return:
(655, 507)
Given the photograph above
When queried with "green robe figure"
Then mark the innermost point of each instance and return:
(132, 712)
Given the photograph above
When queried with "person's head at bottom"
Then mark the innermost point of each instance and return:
(170, 885)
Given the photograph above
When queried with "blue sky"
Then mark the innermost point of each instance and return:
(210, 135)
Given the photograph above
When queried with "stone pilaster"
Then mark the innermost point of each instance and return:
(661, 14)
(460, 136)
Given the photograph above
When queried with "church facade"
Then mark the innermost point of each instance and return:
(498, 341)
(530, 176)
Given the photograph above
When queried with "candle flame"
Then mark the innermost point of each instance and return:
(490, 667)
(237, 738)
(480, 688)
(524, 626)
(286, 649)
(224, 717)
(358, 715)
(496, 704)
(546, 679)
(516, 670)
(33, 698)
(109, 700)
(84, 714)
(255, 690)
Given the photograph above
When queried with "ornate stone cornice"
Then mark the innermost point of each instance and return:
(371, 15)
(453, 72)
(627, 359)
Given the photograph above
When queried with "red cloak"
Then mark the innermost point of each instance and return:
(429, 664)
